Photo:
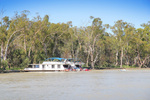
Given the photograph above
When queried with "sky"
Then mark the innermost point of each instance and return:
(136, 12)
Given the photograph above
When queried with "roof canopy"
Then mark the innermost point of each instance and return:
(53, 58)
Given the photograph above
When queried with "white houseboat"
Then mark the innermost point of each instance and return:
(53, 64)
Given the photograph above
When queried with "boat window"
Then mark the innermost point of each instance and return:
(53, 66)
(58, 66)
(36, 66)
(42, 66)
(65, 66)
(30, 66)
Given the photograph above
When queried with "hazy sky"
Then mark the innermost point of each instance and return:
(79, 11)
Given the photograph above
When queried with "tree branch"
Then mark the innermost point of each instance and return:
(8, 42)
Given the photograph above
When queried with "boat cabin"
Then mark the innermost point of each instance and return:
(53, 64)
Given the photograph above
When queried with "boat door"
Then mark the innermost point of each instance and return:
(43, 66)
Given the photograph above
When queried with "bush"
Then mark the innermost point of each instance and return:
(25, 63)
(125, 66)
(4, 64)
(84, 66)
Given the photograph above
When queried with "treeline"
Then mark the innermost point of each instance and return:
(24, 41)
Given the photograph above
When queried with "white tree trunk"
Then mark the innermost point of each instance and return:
(87, 60)
(2, 49)
(116, 58)
(6, 49)
(121, 57)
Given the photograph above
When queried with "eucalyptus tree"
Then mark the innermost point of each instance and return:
(18, 38)
(78, 34)
(92, 39)
(12, 29)
(141, 45)
(37, 46)
(4, 25)
(21, 22)
(108, 47)
(129, 33)
(118, 30)
(58, 34)
(8, 36)
(69, 44)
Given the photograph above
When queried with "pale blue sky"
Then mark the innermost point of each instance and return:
(79, 11)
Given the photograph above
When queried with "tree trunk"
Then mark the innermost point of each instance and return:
(2, 50)
(140, 62)
(121, 57)
(73, 55)
(140, 65)
(77, 53)
(92, 60)
(6, 49)
(135, 61)
(54, 47)
(87, 60)
(127, 60)
(29, 52)
(116, 58)
(92, 64)
(45, 49)
(25, 44)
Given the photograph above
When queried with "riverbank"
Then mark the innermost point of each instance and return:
(120, 69)
(17, 71)
(11, 71)
(123, 68)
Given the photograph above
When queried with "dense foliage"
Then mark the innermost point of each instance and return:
(24, 41)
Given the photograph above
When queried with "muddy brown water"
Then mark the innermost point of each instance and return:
(92, 85)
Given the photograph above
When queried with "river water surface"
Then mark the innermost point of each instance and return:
(92, 85)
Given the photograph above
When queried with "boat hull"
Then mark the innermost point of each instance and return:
(43, 70)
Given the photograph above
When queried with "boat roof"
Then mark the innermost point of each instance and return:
(73, 59)
(55, 58)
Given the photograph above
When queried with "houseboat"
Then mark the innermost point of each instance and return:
(54, 64)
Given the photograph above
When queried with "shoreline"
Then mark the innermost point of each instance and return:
(12, 71)
(17, 71)
(122, 68)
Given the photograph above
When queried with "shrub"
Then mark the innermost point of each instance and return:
(4, 64)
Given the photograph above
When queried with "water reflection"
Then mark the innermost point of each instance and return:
(93, 85)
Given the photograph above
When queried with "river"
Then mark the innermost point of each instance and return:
(92, 85)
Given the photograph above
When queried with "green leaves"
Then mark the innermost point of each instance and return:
(32, 40)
